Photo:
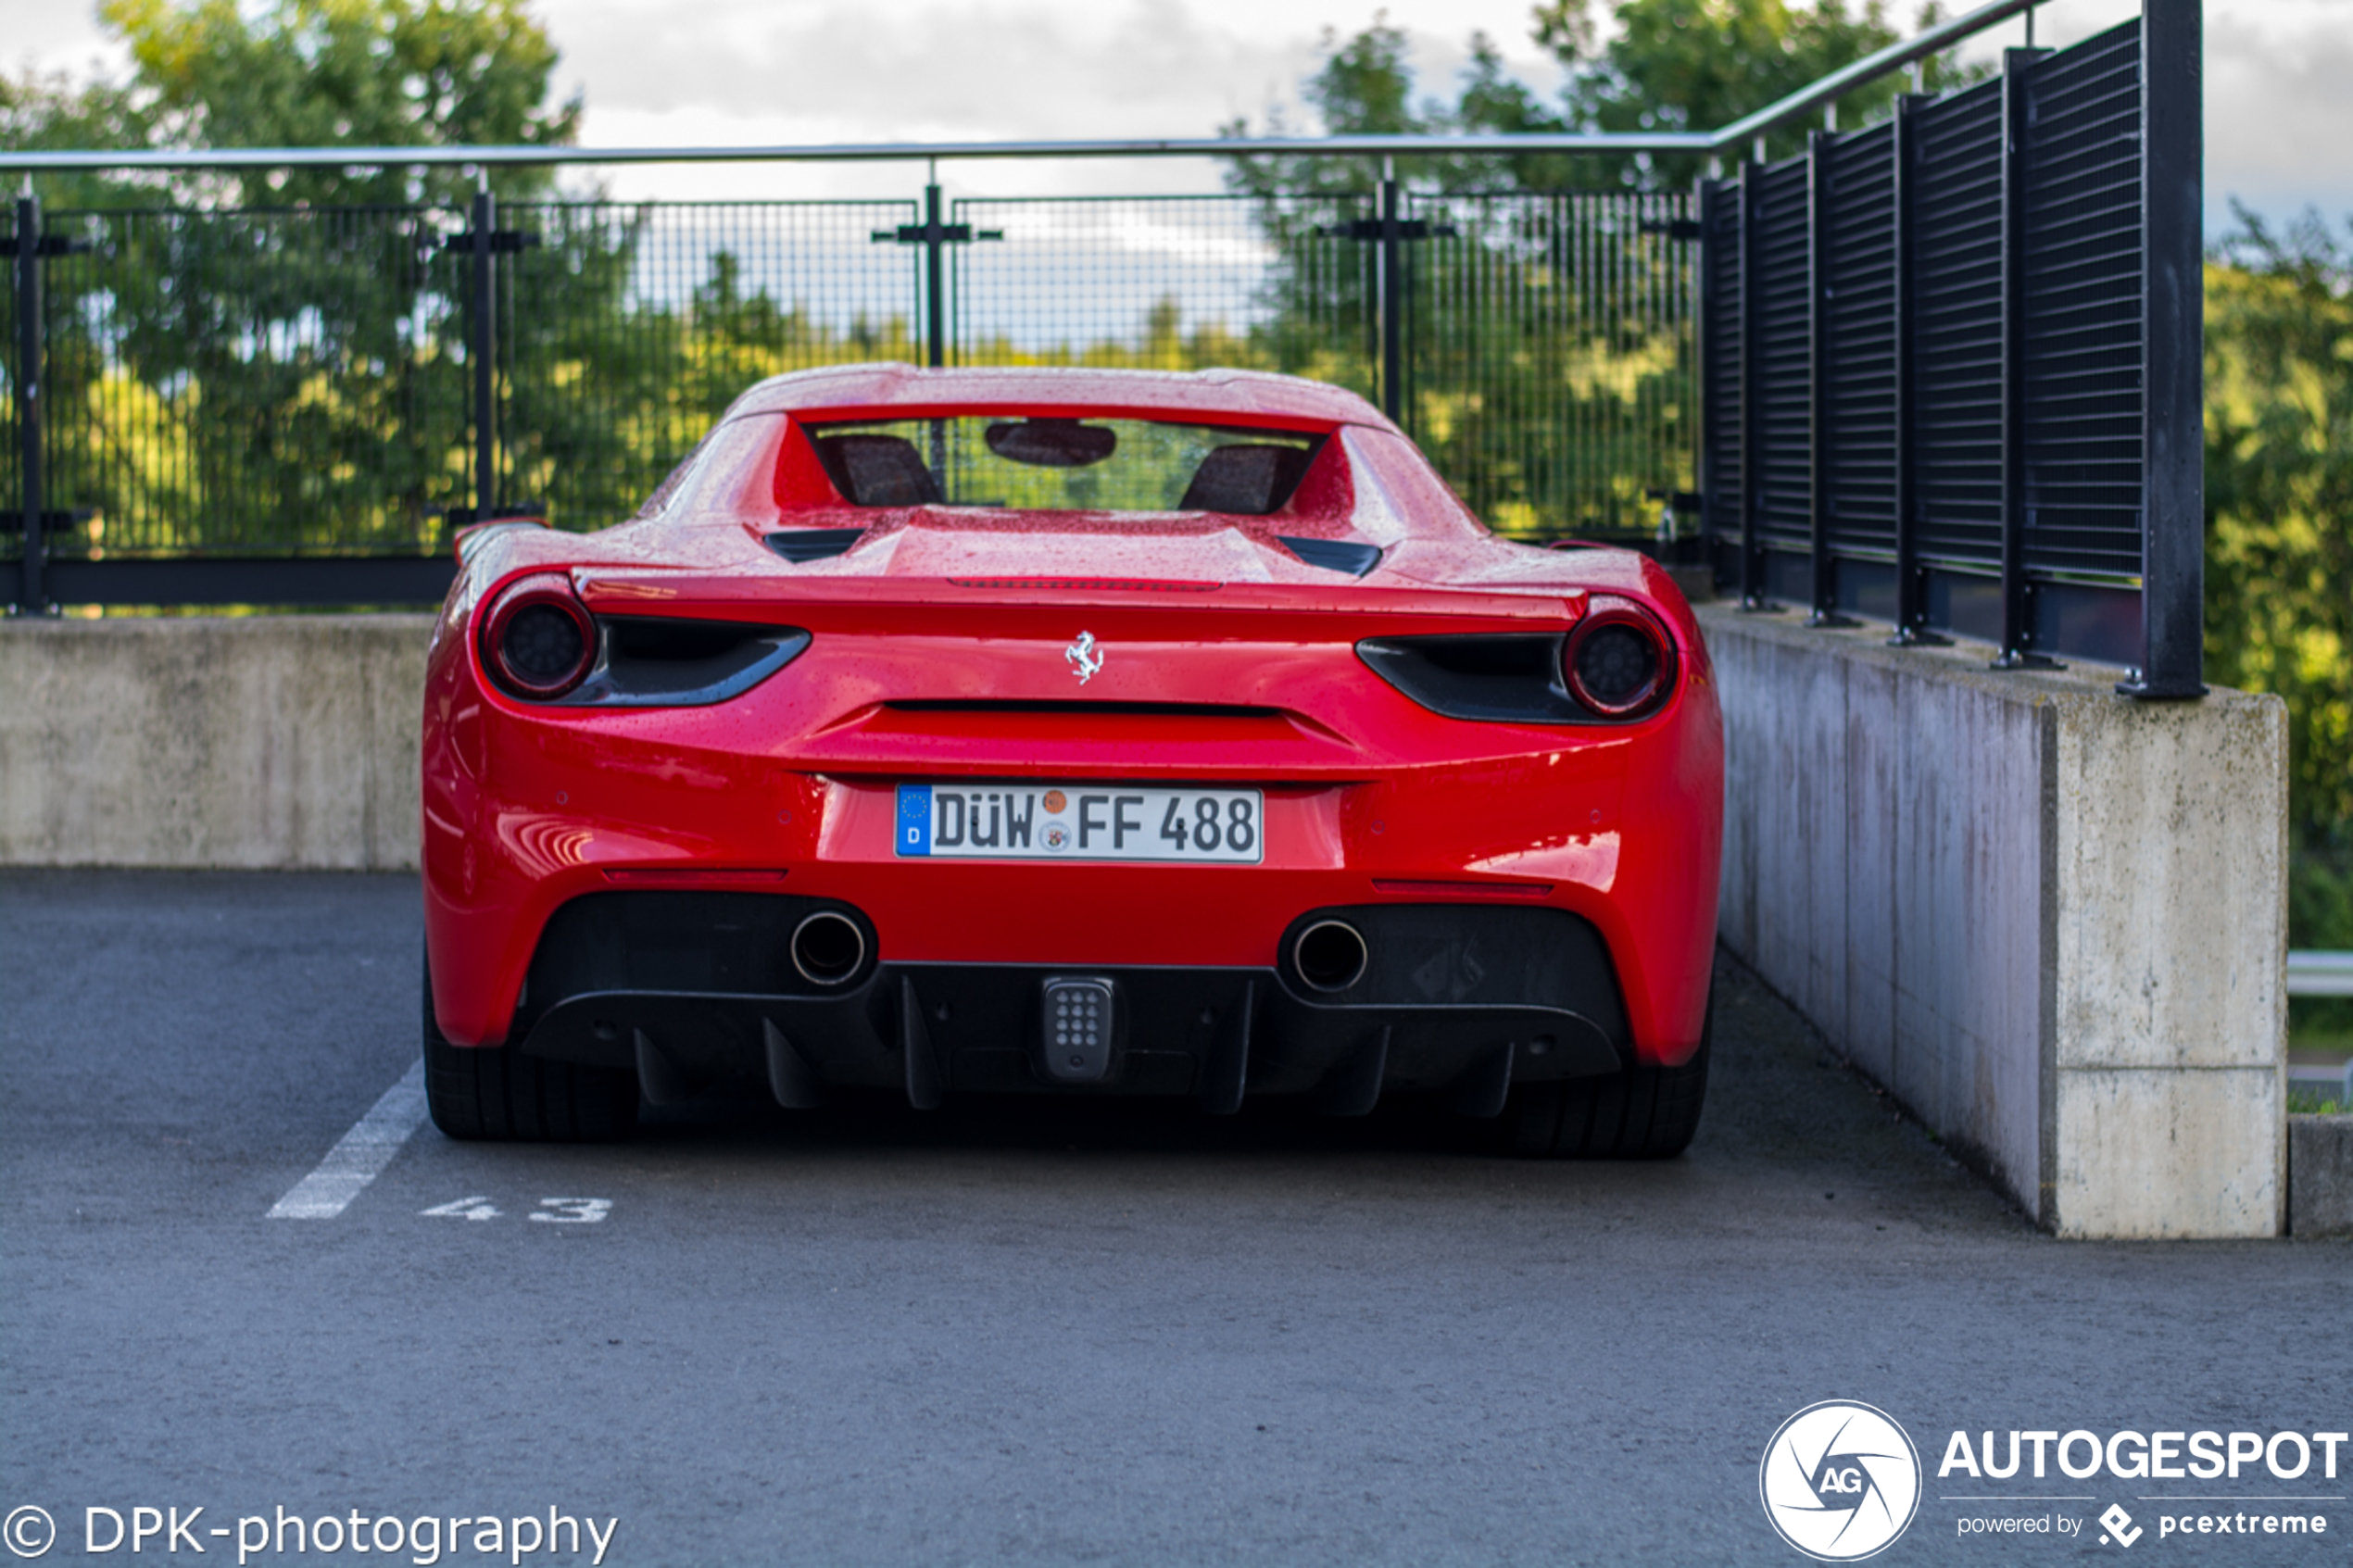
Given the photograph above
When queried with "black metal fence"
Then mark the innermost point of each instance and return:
(300, 405)
(1952, 363)
(1949, 365)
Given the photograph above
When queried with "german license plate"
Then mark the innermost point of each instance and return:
(1080, 821)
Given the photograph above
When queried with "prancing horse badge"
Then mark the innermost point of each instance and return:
(1084, 656)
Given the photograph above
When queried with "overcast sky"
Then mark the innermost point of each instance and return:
(2278, 110)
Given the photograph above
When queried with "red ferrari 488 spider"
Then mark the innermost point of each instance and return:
(1063, 732)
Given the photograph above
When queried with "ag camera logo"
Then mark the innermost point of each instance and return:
(1840, 1481)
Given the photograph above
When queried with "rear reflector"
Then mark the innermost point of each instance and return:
(655, 876)
(1089, 584)
(1462, 889)
(1077, 1020)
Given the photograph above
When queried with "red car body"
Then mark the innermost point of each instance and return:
(619, 883)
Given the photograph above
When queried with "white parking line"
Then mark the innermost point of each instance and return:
(362, 1153)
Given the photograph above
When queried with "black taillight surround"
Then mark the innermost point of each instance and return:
(632, 661)
(1520, 677)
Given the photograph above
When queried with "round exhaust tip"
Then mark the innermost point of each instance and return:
(828, 947)
(1331, 955)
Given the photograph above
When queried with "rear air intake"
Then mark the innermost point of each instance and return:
(800, 545)
(1333, 555)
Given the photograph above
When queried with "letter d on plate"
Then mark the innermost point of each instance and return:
(914, 818)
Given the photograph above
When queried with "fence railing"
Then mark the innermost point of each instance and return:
(319, 387)
(1944, 369)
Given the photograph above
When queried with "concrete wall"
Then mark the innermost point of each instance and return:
(264, 741)
(2049, 919)
(2320, 1162)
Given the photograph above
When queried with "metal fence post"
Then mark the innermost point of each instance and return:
(2172, 344)
(935, 276)
(935, 233)
(484, 328)
(1703, 351)
(1911, 583)
(31, 597)
(1393, 297)
(2018, 610)
(1752, 556)
(1823, 592)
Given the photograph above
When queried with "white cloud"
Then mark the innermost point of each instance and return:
(2278, 110)
(917, 70)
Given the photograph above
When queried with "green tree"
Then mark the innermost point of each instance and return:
(2279, 497)
(1365, 87)
(1514, 295)
(1666, 65)
(317, 73)
(53, 113)
(276, 360)
(1700, 64)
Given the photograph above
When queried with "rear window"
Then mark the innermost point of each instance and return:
(1064, 464)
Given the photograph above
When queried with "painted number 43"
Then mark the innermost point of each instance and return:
(552, 1211)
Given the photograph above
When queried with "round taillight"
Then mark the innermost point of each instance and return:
(1617, 663)
(540, 641)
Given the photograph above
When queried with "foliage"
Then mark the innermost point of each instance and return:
(1532, 311)
(277, 361)
(400, 73)
(1698, 65)
(2278, 478)
(2279, 572)
(1365, 87)
(251, 381)
(1668, 65)
(57, 114)
(606, 389)
(273, 380)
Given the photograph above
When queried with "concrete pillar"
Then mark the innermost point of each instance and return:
(2050, 920)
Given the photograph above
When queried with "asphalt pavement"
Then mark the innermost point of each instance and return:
(873, 1338)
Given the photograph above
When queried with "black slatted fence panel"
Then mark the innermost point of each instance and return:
(11, 476)
(1858, 343)
(1957, 329)
(1953, 375)
(2083, 309)
(1783, 377)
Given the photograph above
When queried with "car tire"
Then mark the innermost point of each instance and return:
(496, 1094)
(1641, 1114)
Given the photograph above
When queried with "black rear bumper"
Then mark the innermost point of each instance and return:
(691, 988)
